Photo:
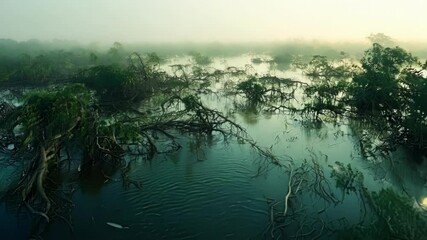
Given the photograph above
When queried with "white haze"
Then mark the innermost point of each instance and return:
(213, 20)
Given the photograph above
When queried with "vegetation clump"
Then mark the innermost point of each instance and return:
(200, 59)
(47, 122)
(253, 90)
(329, 83)
(387, 89)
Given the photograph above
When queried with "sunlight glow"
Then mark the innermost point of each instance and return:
(219, 20)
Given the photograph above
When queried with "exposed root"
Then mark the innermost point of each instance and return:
(321, 185)
(41, 176)
(36, 182)
(31, 209)
(289, 190)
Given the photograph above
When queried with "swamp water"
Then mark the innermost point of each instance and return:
(216, 188)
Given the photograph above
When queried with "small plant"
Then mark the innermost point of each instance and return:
(282, 62)
(253, 90)
(200, 59)
(257, 60)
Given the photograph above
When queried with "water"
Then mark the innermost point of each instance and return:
(217, 189)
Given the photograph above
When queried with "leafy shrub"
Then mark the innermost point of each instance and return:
(200, 59)
(253, 90)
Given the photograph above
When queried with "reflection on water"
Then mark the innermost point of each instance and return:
(249, 117)
(215, 188)
(207, 190)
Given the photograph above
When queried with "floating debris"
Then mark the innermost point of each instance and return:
(115, 225)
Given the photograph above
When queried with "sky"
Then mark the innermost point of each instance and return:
(212, 20)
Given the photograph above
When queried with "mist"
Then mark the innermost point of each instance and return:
(220, 119)
(164, 21)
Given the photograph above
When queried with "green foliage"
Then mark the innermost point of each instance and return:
(329, 83)
(257, 60)
(199, 72)
(35, 70)
(49, 114)
(376, 87)
(389, 87)
(414, 121)
(253, 90)
(116, 51)
(6, 68)
(93, 57)
(118, 126)
(283, 61)
(200, 59)
(392, 88)
(154, 60)
(52, 67)
(191, 102)
(152, 63)
(111, 81)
